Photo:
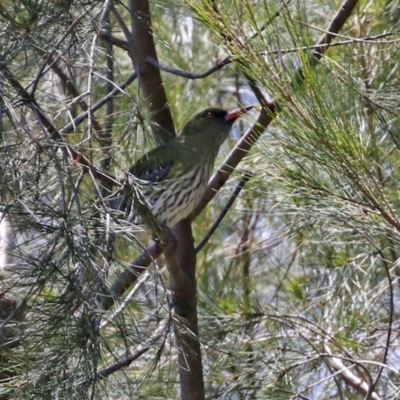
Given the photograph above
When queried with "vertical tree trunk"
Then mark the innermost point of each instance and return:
(184, 305)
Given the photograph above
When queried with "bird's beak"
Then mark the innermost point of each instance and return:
(238, 112)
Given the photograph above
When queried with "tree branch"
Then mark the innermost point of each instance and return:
(225, 210)
(141, 46)
(359, 385)
(159, 333)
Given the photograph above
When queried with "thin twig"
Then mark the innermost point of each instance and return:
(131, 274)
(390, 323)
(82, 117)
(189, 75)
(78, 97)
(225, 210)
(160, 332)
(125, 301)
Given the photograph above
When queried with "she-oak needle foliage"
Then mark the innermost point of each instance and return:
(297, 286)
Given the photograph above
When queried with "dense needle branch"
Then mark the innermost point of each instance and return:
(75, 156)
(228, 60)
(267, 115)
(82, 117)
(131, 274)
(50, 60)
(159, 333)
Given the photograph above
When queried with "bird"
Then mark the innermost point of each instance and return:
(173, 176)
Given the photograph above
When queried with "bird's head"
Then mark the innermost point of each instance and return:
(212, 126)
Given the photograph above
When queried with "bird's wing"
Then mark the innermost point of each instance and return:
(161, 163)
(153, 172)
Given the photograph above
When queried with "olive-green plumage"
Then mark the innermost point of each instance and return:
(174, 175)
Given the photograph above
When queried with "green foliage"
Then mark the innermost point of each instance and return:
(301, 274)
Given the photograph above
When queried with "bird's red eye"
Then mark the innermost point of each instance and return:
(210, 115)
